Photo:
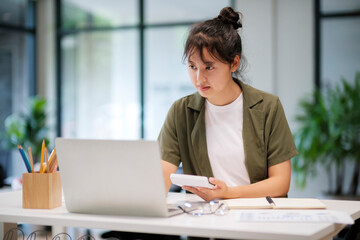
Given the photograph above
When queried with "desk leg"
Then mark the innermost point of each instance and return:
(5, 227)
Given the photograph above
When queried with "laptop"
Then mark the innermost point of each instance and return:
(113, 177)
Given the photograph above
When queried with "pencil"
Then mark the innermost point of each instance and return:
(46, 161)
(31, 159)
(53, 164)
(42, 157)
(23, 156)
(52, 154)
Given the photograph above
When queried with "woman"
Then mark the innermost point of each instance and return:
(233, 133)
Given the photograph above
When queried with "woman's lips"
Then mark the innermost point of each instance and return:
(204, 88)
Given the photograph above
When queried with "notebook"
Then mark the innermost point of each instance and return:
(275, 203)
(113, 177)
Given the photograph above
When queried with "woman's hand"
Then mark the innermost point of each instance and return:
(276, 185)
(219, 191)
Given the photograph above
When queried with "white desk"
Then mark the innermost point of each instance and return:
(11, 211)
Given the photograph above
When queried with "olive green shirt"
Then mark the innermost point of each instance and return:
(266, 134)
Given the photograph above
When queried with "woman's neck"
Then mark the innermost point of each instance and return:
(230, 94)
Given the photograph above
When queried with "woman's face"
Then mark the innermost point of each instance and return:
(213, 78)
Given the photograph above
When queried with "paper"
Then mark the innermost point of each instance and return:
(303, 203)
(279, 203)
(294, 216)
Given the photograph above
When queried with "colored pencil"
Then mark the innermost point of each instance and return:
(42, 157)
(46, 160)
(22, 153)
(31, 159)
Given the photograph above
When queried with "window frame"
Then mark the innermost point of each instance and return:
(319, 17)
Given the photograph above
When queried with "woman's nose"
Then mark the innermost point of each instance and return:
(200, 76)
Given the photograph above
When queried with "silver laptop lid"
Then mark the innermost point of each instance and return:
(112, 177)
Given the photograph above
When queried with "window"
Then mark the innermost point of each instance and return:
(338, 41)
(17, 69)
(121, 64)
(100, 94)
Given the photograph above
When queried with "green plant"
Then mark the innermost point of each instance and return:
(27, 129)
(329, 135)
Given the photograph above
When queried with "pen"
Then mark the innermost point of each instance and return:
(31, 159)
(24, 159)
(270, 201)
(42, 157)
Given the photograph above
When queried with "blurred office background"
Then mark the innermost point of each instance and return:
(111, 69)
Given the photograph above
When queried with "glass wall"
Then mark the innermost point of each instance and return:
(166, 75)
(100, 93)
(17, 68)
(121, 64)
(80, 14)
(165, 11)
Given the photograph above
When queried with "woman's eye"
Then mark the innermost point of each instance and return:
(209, 68)
(192, 67)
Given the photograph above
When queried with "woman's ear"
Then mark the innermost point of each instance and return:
(235, 64)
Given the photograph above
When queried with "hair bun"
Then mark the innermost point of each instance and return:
(228, 15)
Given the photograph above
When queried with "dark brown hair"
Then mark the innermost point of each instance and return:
(219, 36)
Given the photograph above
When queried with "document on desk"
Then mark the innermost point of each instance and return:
(294, 216)
(274, 203)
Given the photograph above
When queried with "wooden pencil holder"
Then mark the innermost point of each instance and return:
(41, 190)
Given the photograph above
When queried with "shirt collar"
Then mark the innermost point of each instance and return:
(250, 95)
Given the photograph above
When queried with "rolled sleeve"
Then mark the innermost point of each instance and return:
(281, 146)
(168, 140)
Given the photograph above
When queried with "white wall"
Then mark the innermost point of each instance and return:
(258, 42)
(278, 42)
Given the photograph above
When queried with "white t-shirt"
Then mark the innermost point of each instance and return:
(225, 145)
